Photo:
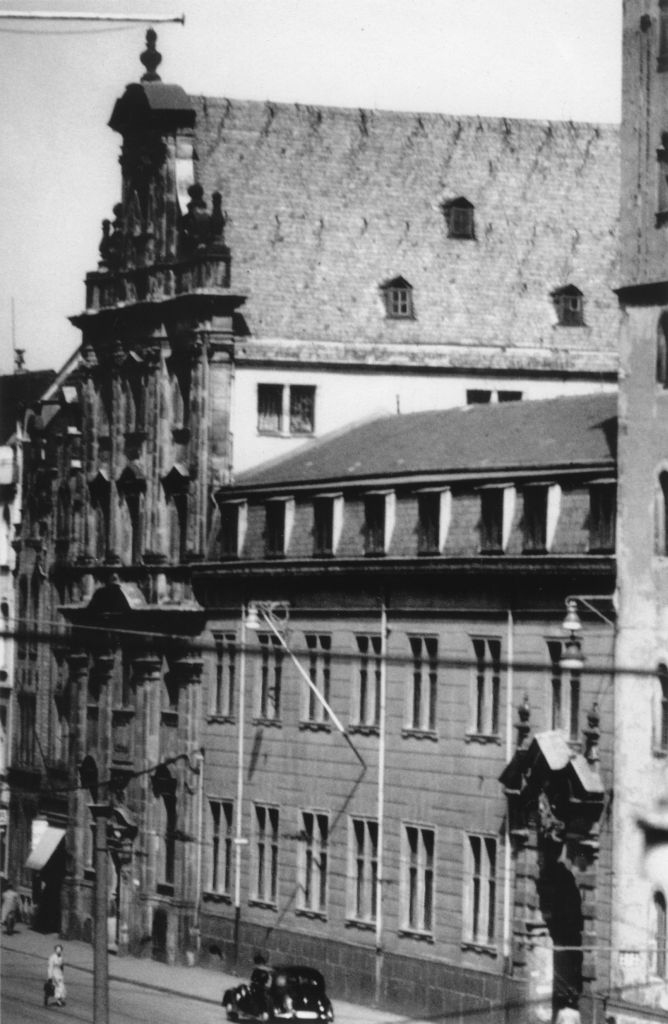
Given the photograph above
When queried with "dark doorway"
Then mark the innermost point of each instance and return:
(561, 905)
(159, 936)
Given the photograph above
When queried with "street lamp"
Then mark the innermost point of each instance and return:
(572, 659)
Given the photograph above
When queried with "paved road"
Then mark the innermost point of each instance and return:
(21, 999)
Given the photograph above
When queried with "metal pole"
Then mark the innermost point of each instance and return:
(307, 679)
(381, 800)
(101, 813)
(507, 850)
(238, 838)
(81, 16)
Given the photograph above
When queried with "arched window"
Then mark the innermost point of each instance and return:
(659, 929)
(662, 351)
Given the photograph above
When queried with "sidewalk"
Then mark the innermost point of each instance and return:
(203, 984)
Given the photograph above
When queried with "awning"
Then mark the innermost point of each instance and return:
(45, 849)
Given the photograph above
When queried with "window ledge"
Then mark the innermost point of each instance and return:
(659, 753)
(408, 933)
(312, 915)
(420, 734)
(364, 730)
(164, 889)
(216, 897)
(482, 737)
(263, 905)
(221, 719)
(480, 947)
(362, 926)
(315, 726)
(274, 723)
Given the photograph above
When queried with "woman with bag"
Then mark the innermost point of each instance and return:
(55, 983)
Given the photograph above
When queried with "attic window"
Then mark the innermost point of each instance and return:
(569, 304)
(459, 218)
(398, 296)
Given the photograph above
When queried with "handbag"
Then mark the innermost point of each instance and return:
(49, 988)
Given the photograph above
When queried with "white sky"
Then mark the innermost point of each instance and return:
(546, 59)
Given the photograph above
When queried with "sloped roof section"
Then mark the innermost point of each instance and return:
(325, 204)
(559, 432)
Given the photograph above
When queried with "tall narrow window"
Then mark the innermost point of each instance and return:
(266, 854)
(364, 865)
(327, 523)
(271, 676)
(480, 890)
(27, 724)
(661, 515)
(378, 521)
(417, 908)
(487, 685)
(535, 519)
(602, 514)
(224, 683)
(170, 818)
(662, 350)
(662, 62)
(429, 515)
(660, 937)
(319, 646)
(269, 408)
(302, 409)
(369, 668)
(278, 526)
(491, 520)
(313, 862)
(222, 832)
(233, 521)
(424, 651)
(661, 731)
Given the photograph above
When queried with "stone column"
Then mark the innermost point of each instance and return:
(188, 671)
(146, 679)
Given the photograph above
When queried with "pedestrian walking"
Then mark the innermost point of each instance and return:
(55, 982)
(11, 906)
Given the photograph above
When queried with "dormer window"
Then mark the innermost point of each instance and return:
(602, 515)
(398, 297)
(233, 520)
(280, 513)
(433, 520)
(459, 218)
(327, 523)
(569, 306)
(539, 520)
(379, 509)
(497, 505)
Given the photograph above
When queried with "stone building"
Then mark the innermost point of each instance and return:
(273, 273)
(454, 858)
(640, 972)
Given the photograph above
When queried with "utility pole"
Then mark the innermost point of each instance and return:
(101, 814)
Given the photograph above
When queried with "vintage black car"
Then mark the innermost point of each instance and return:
(288, 993)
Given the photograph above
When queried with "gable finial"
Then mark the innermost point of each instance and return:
(150, 58)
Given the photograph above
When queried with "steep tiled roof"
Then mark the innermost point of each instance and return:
(559, 432)
(324, 205)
